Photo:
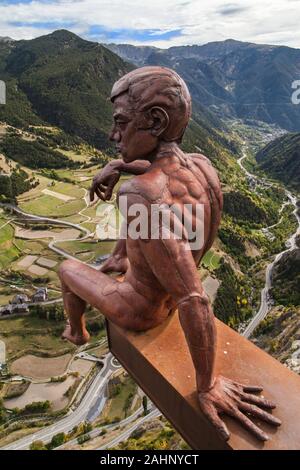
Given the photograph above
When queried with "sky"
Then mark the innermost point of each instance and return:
(161, 23)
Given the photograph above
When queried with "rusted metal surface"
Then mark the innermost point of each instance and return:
(160, 362)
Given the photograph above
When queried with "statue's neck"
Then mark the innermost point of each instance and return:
(164, 149)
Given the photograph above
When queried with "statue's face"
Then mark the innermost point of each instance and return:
(133, 143)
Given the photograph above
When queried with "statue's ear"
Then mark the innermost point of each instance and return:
(160, 120)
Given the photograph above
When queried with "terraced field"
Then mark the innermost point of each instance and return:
(86, 251)
(8, 251)
(49, 206)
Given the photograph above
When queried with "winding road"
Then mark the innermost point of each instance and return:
(265, 303)
(48, 220)
(94, 399)
(95, 395)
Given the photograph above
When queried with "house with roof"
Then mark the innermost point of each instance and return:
(20, 299)
(41, 295)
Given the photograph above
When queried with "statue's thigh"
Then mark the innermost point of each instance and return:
(116, 300)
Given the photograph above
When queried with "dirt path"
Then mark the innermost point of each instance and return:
(62, 197)
(37, 234)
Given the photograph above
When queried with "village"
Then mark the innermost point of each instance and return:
(21, 302)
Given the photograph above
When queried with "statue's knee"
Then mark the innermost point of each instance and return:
(68, 265)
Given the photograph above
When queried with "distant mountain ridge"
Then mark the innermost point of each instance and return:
(232, 78)
(281, 158)
(64, 80)
(6, 39)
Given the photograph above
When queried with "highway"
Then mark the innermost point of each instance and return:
(96, 432)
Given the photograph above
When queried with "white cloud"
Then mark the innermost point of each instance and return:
(273, 22)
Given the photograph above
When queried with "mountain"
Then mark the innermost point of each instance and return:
(137, 55)
(64, 80)
(279, 335)
(6, 39)
(286, 279)
(233, 78)
(281, 158)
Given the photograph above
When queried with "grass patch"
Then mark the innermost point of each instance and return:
(6, 232)
(14, 436)
(35, 335)
(211, 260)
(118, 405)
(86, 250)
(67, 189)
(75, 156)
(8, 251)
(89, 226)
(49, 206)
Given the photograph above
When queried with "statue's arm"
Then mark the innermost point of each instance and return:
(172, 263)
(118, 261)
(138, 167)
(105, 181)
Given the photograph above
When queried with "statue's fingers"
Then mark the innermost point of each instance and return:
(259, 413)
(252, 388)
(257, 400)
(247, 388)
(248, 424)
(234, 385)
(109, 190)
(99, 194)
(212, 415)
(106, 269)
(92, 193)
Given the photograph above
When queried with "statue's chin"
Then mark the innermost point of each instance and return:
(127, 159)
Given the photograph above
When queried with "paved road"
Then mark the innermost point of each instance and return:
(96, 432)
(266, 301)
(44, 219)
(125, 435)
(48, 220)
(94, 392)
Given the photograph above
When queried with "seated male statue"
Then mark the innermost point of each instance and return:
(152, 107)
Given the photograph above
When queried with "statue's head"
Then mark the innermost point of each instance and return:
(151, 105)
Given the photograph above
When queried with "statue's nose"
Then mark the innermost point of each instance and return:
(114, 136)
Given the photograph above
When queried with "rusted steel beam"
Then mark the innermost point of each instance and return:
(160, 362)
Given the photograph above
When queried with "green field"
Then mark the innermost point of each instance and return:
(116, 405)
(6, 232)
(37, 191)
(91, 211)
(86, 251)
(211, 260)
(89, 226)
(67, 189)
(76, 174)
(30, 333)
(49, 206)
(75, 156)
(8, 251)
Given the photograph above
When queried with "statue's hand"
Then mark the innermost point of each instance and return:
(115, 264)
(105, 181)
(238, 401)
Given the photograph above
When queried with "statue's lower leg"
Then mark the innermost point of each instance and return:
(75, 330)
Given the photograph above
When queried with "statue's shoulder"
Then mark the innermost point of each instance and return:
(210, 174)
(150, 186)
(205, 165)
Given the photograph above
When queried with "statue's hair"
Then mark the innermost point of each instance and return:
(152, 86)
